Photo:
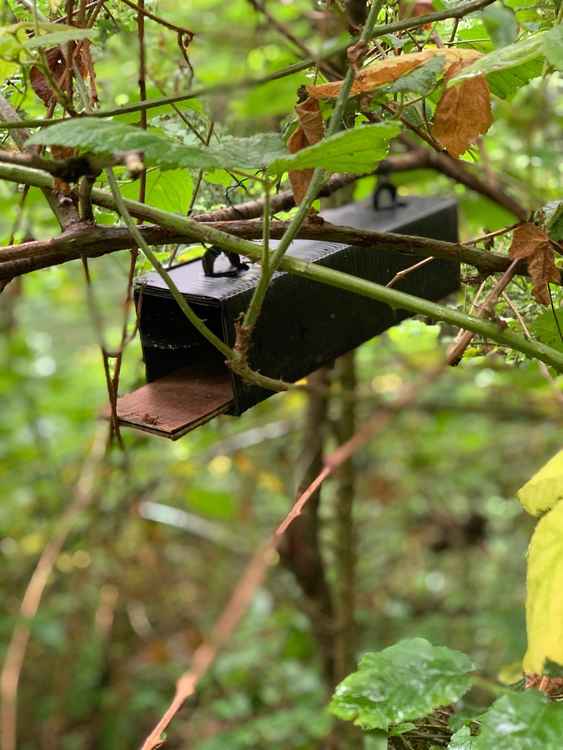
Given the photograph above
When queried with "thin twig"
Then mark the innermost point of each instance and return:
(406, 271)
(543, 368)
(464, 338)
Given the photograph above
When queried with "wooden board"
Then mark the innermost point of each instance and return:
(177, 403)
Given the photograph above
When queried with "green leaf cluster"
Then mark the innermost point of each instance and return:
(403, 682)
(357, 150)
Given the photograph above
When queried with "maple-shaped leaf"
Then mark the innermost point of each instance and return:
(309, 131)
(463, 113)
(532, 244)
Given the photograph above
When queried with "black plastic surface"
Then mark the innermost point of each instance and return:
(304, 324)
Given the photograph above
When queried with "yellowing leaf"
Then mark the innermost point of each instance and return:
(391, 68)
(544, 603)
(463, 113)
(545, 488)
(531, 243)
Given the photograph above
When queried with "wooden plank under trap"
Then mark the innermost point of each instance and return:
(177, 403)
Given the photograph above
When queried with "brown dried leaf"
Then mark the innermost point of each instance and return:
(309, 131)
(310, 121)
(391, 68)
(532, 244)
(57, 67)
(463, 113)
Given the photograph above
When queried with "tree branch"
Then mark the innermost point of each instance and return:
(86, 240)
(315, 272)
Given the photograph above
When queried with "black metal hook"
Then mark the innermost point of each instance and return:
(211, 255)
(393, 200)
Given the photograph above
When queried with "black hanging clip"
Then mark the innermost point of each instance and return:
(211, 255)
(391, 201)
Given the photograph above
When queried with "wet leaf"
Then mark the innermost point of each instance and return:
(520, 721)
(532, 244)
(403, 682)
(461, 740)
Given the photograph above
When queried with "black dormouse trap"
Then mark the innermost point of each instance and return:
(303, 325)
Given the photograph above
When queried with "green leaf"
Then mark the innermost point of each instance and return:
(97, 136)
(256, 151)
(520, 721)
(58, 37)
(376, 741)
(403, 682)
(501, 24)
(421, 80)
(553, 46)
(501, 59)
(461, 740)
(170, 191)
(545, 488)
(544, 603)
(505, 83)
(554, 219)
(548, 327)
(357, 151)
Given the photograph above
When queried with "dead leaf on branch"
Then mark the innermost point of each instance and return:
(309, 131)
(391, 68)
(56, 62)
(532, 244)
(463, 113)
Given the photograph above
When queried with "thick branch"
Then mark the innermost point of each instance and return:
(315, 272)
(85, 240)
(71, 169)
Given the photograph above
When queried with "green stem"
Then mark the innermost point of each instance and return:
(315, 184)
(255, 305)
(333, 127)
(162, 272)
(314, 272)
(228, 87)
